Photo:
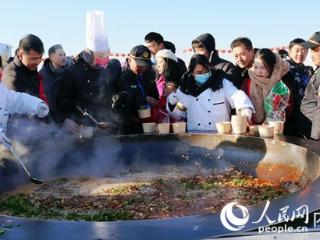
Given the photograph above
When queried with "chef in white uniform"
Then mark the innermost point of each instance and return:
(14, 102)
(207, 96)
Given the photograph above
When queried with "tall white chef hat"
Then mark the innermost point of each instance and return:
(96, 37)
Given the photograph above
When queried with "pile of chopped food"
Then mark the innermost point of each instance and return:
(108, 199)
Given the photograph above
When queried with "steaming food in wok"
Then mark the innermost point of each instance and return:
(138, 195)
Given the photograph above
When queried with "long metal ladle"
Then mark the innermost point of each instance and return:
(32, 179)
(102, 125)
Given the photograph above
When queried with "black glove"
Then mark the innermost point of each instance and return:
(120, 100)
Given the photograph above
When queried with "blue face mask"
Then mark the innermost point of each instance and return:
(202, 78)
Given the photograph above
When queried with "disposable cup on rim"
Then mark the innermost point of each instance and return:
(163, 128)
(86, 132)
(223, 127)
(179, 127)
(144, 113)
(278, 126)
(266, 131)
(239, 124)
(149, 127)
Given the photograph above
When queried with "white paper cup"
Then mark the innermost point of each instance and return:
(149, 127)
(266, 131)
(179, 127)
(239, 124)
(144, 113)
(86, 132)
(278, 126)
(163, 128)
(223, 127)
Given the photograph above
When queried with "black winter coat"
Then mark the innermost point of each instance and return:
(50, 78)
(137, 97)
(18, 77)
(310, 105)
(297, 80)
(91, 89)
(229, 70)
(182, 69)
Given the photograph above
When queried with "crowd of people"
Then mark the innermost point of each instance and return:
(261, 85)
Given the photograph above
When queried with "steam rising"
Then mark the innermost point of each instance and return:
(49, 152)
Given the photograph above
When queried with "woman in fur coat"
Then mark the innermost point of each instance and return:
(268, 93)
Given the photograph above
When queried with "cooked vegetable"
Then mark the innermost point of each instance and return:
(141, 198)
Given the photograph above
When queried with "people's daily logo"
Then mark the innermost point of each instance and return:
(235, 217)
(230, 220)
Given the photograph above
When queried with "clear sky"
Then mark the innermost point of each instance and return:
(268, 23)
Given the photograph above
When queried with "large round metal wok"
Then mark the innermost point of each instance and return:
(63, 157)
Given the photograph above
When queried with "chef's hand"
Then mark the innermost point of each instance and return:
(4, 140)
(246, 112)
(42, 110)
(173, 99)
(71, 126)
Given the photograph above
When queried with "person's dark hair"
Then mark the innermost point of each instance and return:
(188, 84)
(241, 41)
(295, 41)
(283, 53)
(1, 62)
(268, 58)
(31, 42)
(153, 36)
(198, 59)
(10, 59)
(54, 48)
(172, 73)
(170, 46)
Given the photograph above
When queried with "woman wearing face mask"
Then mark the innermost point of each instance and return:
(207, 96)
(269, 95)
(168, 79)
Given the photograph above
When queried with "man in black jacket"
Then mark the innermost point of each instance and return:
(299, 76)
(89, 83)
(90, 87)
(21, 74)
(243, 52)
(52, 69)
(136, 88)
(205, 44)
(310, 105)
